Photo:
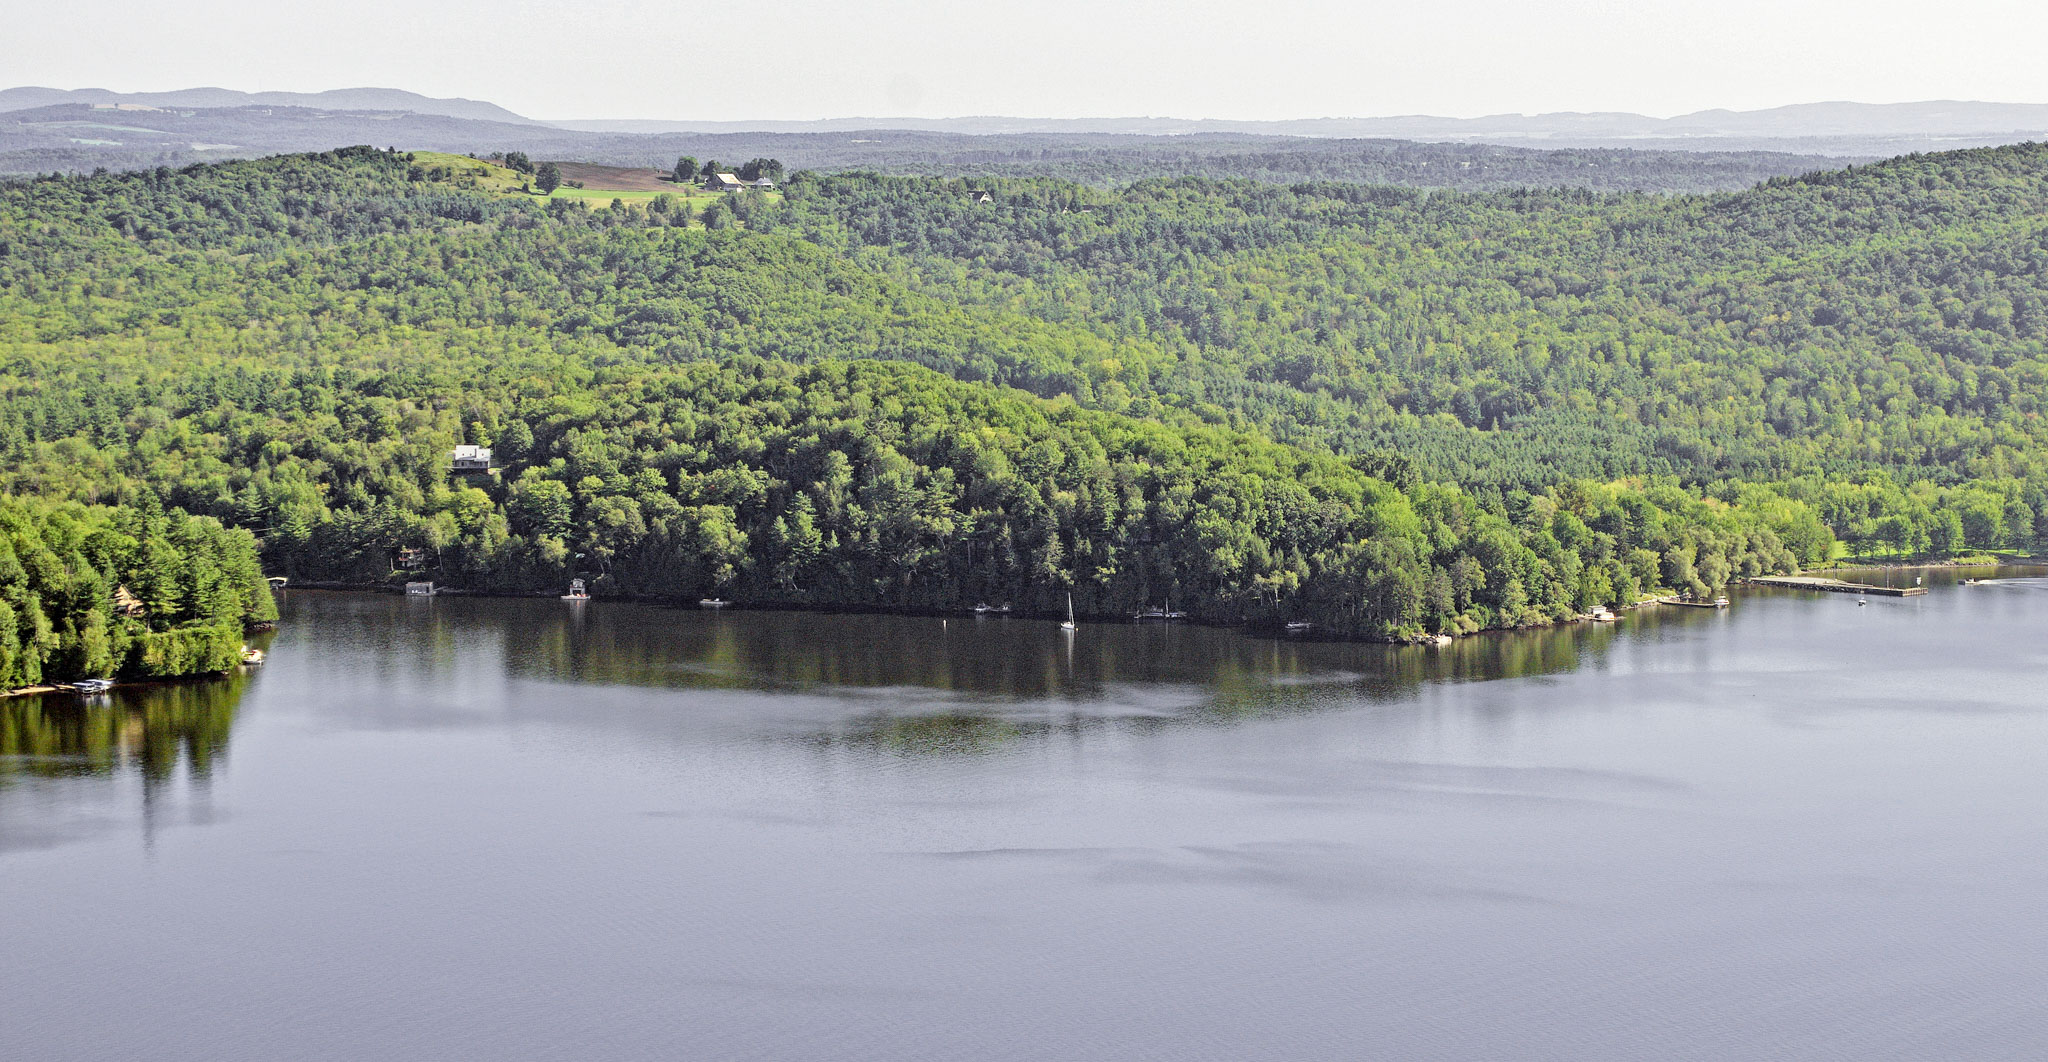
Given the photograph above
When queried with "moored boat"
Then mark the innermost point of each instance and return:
(1154, 612)
(251, 656)
(712, 602)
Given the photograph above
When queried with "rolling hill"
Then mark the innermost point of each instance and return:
(1382, 411)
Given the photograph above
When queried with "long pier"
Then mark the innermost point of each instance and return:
(1835, 586)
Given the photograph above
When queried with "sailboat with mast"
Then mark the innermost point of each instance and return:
(1068, 624)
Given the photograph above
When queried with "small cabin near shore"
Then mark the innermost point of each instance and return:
(470, 459)
(127, 604)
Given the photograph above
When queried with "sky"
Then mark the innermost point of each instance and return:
(1243, 59)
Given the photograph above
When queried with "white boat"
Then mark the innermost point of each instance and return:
(251, 656)
(93, 685)
(712, 602)
(985, 608)
(1298, 626)
(576, 591)
(1069, 624)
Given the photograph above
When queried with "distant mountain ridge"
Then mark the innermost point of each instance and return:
(345, 99)
(1929, 121)
(79, 137)
(1933, 118)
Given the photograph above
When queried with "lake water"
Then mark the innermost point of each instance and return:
(492, 829)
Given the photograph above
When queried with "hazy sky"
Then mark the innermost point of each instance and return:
(721, 59)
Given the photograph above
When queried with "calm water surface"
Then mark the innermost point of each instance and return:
(489, 829)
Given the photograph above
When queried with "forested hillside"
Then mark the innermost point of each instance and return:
(1382, 411)
(95, 591)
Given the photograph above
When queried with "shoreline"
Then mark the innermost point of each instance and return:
(46, 688)
(1991, 561)
(1816, 575)
(686, 604)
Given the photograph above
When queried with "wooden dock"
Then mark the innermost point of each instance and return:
(1834, 586)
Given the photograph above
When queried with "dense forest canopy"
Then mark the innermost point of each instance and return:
(94, 591)
(1378, 409)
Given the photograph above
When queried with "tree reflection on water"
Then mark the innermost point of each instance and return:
(148, 729)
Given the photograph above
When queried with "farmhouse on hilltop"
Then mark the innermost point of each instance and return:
(723, 182)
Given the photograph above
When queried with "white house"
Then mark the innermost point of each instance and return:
(470, 459)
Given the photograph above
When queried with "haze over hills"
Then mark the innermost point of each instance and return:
(1830, 128)
(346, 99)
(81, 137)
(1934, 120)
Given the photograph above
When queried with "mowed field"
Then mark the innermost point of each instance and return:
(601, 184)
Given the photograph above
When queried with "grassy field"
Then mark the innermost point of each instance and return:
(601, 184)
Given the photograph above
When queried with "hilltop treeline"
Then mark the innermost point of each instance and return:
(133, 590)
(1252, 399)
(45, 139)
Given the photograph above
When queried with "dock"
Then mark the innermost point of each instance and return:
(1834, 586)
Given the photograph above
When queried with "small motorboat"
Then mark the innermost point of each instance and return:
(576, 591)
(712, 602)
(1299, 626)
(251, 656)
(93, 685)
